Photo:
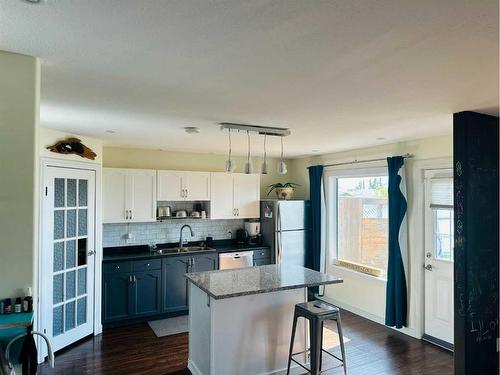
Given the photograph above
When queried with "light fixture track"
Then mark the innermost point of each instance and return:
(262, 130)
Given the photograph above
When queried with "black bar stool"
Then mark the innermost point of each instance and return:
(316, 312)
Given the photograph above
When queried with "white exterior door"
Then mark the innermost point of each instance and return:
(141, 192)
(221, 196)
(170, 186)
(197, 186)
(439, 242)
(68, 254)
(247, 195)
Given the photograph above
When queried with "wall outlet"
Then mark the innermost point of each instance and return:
(129, 237)
(229, 234)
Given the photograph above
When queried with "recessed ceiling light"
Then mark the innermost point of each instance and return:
(192, 129)
(110, 131)
(314, 151)
(380, 138)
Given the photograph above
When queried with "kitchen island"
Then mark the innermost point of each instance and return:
(240, 320)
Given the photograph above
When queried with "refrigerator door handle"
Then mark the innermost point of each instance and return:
(278, 234)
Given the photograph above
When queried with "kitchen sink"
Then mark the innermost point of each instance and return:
(186, 249)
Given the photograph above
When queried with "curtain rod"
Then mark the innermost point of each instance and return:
(355, 161)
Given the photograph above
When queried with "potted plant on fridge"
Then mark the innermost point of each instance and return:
(283, 191)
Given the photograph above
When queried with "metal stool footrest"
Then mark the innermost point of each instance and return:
(323, 350)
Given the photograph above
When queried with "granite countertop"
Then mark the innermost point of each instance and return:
(137, 252)
(255, 280)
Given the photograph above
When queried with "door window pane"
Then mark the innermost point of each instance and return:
(82, 281)
(58, 224)
(69, 317)
(362, 221)
(82, 222)
(59, 192)
(57, 320)
(443, 234)
(82, 192)
(71, 198)
(82, 251)
(58, 256)
(57, 288)
(81, 314)
(70, 254)
(70, 284)
(71, 223)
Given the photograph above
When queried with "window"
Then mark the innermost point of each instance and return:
(441, 204)
(358, 220)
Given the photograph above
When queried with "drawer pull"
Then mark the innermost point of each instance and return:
(117, 267)
(148, 265)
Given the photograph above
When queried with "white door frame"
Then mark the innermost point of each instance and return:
(417, 275)
(97, 168)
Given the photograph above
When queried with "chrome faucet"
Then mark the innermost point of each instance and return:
(182, 228)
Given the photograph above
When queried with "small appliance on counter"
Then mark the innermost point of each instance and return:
(242, 237)
(253, 230)
(164, 212)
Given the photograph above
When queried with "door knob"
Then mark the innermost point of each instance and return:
(428, 267)
(92, 252)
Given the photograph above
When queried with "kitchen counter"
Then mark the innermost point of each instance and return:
(137, 252)
(240, 319)
(255, 280)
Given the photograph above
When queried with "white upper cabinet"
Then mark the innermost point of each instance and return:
(247, 195)
(170, 186)
(235, 196)
(180, 185)
(221, 196)
(129, 195)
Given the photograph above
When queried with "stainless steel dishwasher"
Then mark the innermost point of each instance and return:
(240, 259)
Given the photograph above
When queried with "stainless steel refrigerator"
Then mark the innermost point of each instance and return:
(285, 227)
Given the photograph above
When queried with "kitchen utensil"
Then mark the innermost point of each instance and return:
(164, 211)
(242, 237)
(195, 214)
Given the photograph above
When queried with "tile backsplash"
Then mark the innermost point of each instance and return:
(167, 231)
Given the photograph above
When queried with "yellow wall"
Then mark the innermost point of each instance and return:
(118, 157)
(425, 148)
(362, 294)
(19, 115)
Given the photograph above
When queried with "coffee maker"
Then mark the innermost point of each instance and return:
(253, 230)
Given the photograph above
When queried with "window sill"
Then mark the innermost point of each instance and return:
(347, 273)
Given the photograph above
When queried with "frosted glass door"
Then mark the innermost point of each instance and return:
(68, 254)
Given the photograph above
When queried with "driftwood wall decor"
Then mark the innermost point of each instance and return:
(72, 146)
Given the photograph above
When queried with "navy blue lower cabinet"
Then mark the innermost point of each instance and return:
(116, 296)
(146, 290)
(261, 261)
(204, 262)
(174, 283)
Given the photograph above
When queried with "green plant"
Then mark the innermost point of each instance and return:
(279, 185)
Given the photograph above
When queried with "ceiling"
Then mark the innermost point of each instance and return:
(341, 74)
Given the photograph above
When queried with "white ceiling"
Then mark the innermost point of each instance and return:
(339, 73)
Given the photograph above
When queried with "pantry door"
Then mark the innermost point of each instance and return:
(68, 254)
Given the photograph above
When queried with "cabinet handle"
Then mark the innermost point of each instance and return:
(148, 265)
(135, 279)
(117, 267)
(126, 214)
(237, 212)
(130, 214)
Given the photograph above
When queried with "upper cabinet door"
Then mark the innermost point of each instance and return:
(197, 186)
(114, 199)
(142, 193)
(247, 195)
(221, 196)
(170, 186)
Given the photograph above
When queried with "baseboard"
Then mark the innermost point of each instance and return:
(374, 318)
(192, 367)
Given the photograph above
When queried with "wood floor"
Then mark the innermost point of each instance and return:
(371, 350)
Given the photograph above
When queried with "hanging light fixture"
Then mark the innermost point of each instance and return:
(248, 164)
(230, 164)
(282, 169)
(263, 169)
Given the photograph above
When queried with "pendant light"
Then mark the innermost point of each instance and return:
(282, 169)
(248, 164)
(230, 164)
(263, 169)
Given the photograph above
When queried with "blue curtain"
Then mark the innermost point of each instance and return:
(316, 192)
(397, 269)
